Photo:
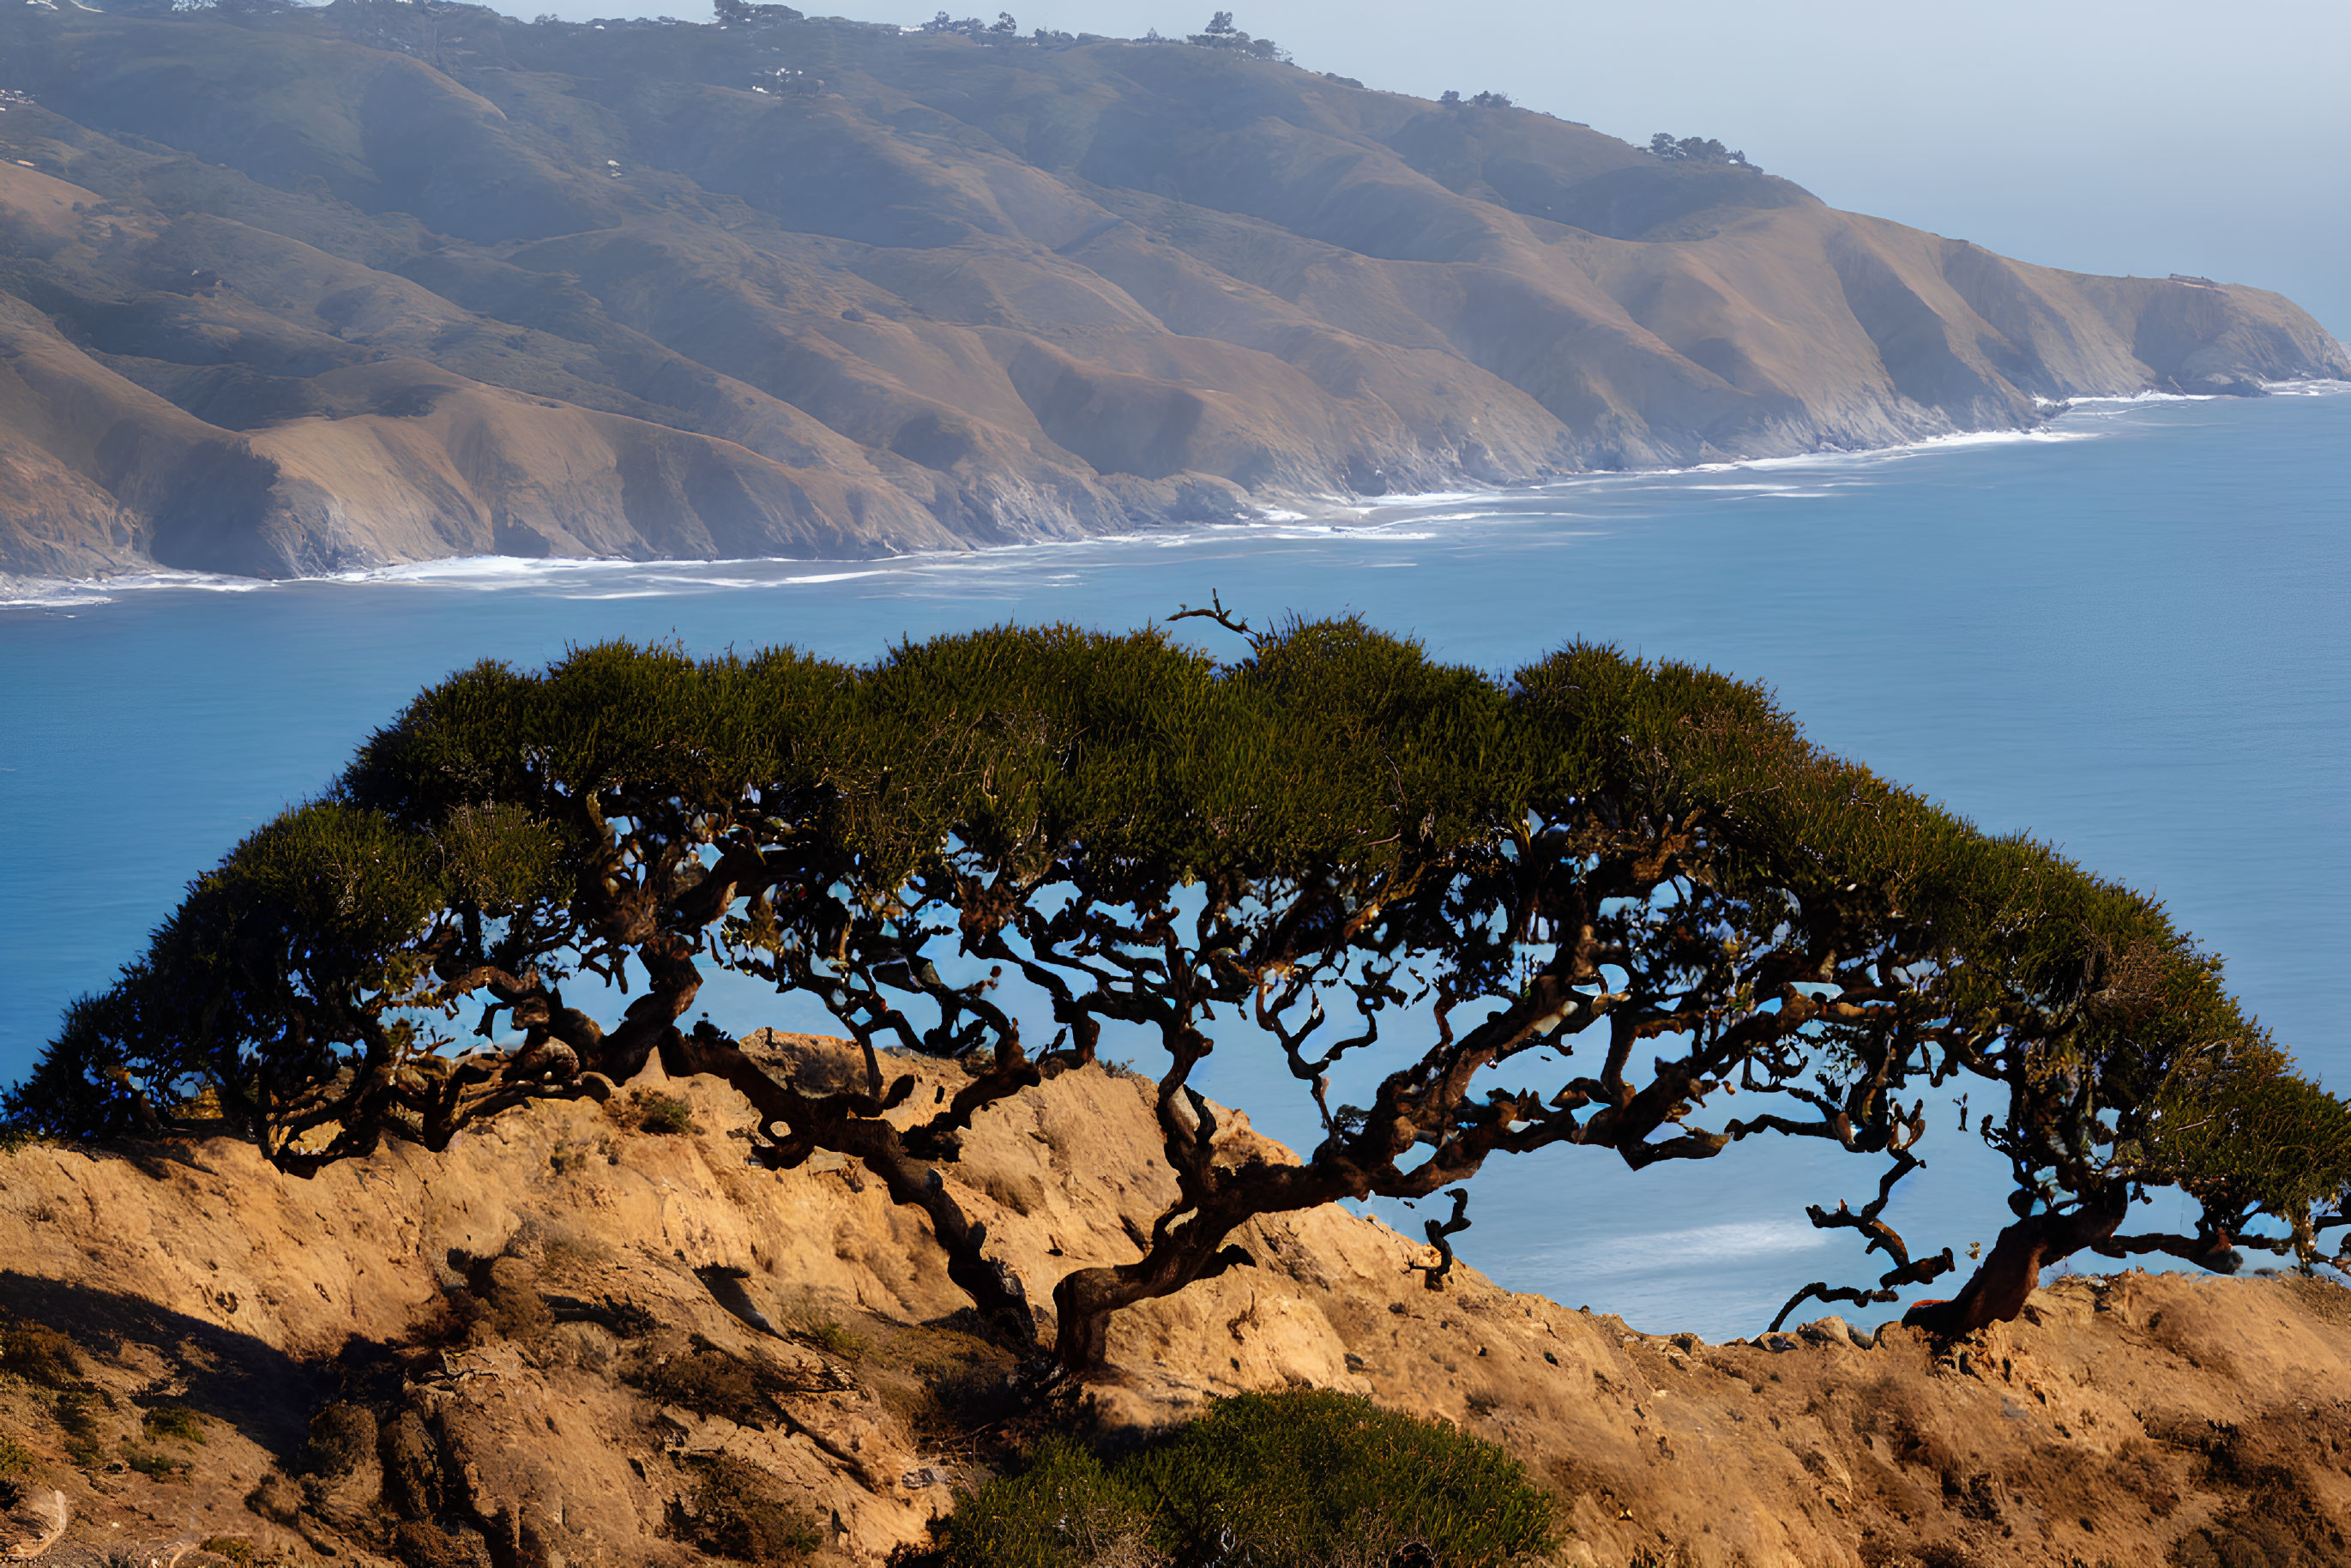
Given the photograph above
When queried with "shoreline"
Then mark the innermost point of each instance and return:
(1321, 514)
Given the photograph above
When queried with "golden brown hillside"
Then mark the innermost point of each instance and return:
(288, 289)
(537, 1348)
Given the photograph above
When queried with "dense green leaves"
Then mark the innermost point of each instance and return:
(1283, 1480)
(1619, 861)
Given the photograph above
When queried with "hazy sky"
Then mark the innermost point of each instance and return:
(2129, 136)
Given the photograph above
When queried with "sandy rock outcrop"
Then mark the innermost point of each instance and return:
(553, 1343)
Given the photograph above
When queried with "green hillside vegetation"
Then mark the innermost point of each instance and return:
(1585, 905)
(288, 289)
(1303, 1479)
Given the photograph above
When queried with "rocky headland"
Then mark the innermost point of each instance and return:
(288, 291)
(527, 1350)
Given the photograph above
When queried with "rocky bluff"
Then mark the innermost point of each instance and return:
(539, 1347)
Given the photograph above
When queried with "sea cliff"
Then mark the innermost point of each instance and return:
(286, 291)
(517, 1352)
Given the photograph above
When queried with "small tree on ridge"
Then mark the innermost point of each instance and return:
(1588, 906)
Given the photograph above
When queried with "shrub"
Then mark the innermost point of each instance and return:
(813, 1327)
(236, 1550)
(174, 1421)
(1286, 1480)
(80, 1421)
(710, 1380)
(741, 1513)
(39, 1356)
(959, 1397)
(342, 1435)
(657, 1112)
(16, 1459)
(830, 1337)
(564, 1255)
(152, 1464)
(507, 1288)
(1062, 1509)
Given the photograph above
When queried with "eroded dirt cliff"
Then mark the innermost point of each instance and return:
(578, 1339)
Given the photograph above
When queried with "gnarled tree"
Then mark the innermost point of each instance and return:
(1585, 907)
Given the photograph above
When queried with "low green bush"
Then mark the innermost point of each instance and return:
(812, 1326)
(154, 1466)
(39, 1356)
(78, 1413)
(174, 1421)
(662, 1113)
(1303, 1479)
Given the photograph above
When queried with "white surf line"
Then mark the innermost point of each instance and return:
(1369, 518)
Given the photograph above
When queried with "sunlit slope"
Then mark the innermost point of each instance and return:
(291, 291)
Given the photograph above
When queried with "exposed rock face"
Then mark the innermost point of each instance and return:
(286, 291)
(520, 1353)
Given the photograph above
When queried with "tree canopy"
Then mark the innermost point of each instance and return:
(1599, 903)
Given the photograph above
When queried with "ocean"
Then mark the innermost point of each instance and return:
(2129, 633)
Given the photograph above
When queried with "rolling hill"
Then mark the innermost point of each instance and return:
(286, 291)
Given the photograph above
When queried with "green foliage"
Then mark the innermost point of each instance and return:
(78, 1414)
(175, 1422)
(2239, 1131)
(1350, 820)
(40, 1355)
(1287, 1480)
(236, 1550)
(154, 1465)
(16, 1459)
(828, 1336)
(740, 1512)
(1061, 1510)
(652, 1111)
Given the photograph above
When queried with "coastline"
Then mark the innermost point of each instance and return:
(2097, 641)
(1307, 514)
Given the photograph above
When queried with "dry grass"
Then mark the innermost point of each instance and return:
(2324, 1300)
(740, 1512)
(807, 1321)
(176, 1422)
(564, 1256)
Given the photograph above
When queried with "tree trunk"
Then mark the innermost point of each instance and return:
(994, 1288)
(1181, 1253)
(1998, 1291)
(853, 1125)
(1085, 1298)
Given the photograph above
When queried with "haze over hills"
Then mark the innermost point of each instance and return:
(288, 291)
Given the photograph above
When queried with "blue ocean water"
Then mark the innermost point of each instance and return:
(2129, 634)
